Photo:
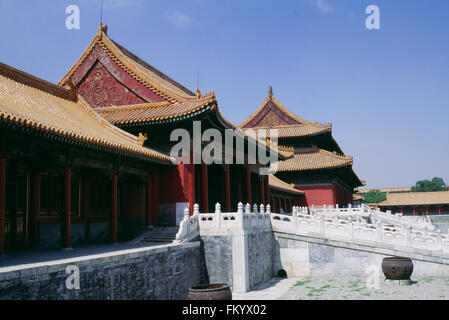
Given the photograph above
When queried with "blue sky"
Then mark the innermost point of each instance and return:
(386, 92)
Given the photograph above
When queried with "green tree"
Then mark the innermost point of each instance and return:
(375, 196)
(436, 184)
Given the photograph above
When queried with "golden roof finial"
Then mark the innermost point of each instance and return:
(198, 93)
(142, 138)
(270, 91)
(105, 29)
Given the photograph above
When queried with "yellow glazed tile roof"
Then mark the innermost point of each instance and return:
(303, 127)
(313, 159)
(26, 106)
(416, 198)
(156, 111)
(387, 190)
(277, 183)
(298, 130)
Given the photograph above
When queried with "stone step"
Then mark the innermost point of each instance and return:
(160, 234)
(156, 236)
(156, 240)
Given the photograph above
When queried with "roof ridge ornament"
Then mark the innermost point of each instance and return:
(270, 91)
(142, 138)
(198, 93)
(73, 90)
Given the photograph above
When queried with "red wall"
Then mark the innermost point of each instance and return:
(318, 195)
(330, 194)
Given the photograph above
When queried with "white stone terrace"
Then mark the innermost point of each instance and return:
(359, 225)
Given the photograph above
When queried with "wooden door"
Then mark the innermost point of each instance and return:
(17, 208)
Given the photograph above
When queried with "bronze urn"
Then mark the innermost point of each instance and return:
(397, 268)
(213, 291)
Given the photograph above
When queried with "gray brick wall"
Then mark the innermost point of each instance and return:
(216, 259)
(260, 256)
(161, 273)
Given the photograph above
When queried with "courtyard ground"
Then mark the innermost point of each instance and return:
(348, 288)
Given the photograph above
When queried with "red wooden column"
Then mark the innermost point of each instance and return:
(249, 198)
(191, 185)
(262, 189)
(148, 202)
(239, 189)
(267, 189)
(427, 210)
(279, 205)
(155, 187)
(36, 208)
(439, 210)
(285, 205)
(414, 212)
(2, 202)
(227, 188)
(205, 189)
(67, 207)
(114, 206)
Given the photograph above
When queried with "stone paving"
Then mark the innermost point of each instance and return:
(348, 288)
(36, 256)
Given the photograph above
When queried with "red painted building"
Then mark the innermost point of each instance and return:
(138, 98)
(66, 174)
(317, 166)
(86, 161)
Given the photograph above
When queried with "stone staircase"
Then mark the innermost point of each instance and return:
(160, 234)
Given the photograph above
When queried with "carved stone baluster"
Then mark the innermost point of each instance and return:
(240, 215)
(218, 215)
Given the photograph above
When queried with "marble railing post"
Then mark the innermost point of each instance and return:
(261, 221)
(240, 215)
(186, 219)
(196, 209)
(295, 217)
(218, 215)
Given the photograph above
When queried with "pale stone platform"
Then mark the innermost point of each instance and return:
(270, 290)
